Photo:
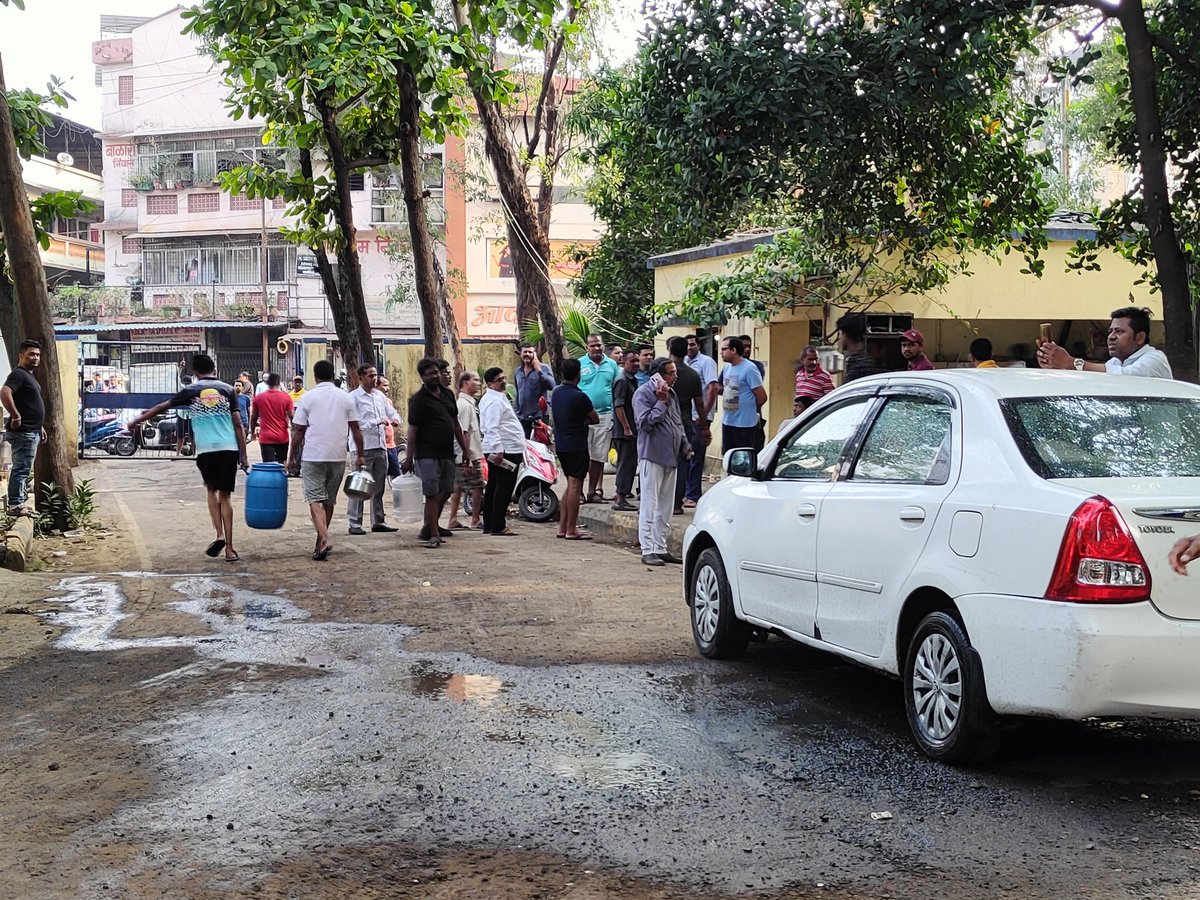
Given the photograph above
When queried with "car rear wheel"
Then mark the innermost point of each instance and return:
(944, 693)
(718, 633)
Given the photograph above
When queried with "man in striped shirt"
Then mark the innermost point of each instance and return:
(812, 380)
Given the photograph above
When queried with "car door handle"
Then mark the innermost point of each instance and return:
(806, 511)
(912, 514)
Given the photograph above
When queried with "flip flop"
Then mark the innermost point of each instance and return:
(458, 526)
(215, 548)
(624, 507)
(234, 558)
(322, 555)
(507, 532)
(578, 537)
(431, 545)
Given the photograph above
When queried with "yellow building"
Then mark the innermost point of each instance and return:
(996, 301)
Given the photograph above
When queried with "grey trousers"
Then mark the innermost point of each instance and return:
(375, 462)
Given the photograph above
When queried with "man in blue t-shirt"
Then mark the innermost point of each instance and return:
(597, 374)
(574, 417)
(220, 437)
(742, 397)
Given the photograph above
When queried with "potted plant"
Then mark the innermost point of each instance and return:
(184, 178)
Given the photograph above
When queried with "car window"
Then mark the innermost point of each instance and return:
(812, 452)
(909, 441)
(1107, 437)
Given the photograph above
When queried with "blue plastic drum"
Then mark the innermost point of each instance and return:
(266, 495)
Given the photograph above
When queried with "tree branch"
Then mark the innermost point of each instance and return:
(368, 162)
(1173, 50)
(548, 79)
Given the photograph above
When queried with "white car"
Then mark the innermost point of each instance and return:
(997, 538)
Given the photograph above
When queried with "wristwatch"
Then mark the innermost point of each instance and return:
(1078, 365)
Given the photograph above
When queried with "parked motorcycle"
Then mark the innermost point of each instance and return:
(162, 433)
(110, 436)
(534, 490)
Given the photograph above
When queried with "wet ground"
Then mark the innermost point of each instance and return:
(499, 718)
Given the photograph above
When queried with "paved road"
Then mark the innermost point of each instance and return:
(506, 718)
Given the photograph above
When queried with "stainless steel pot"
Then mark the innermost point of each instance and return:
(359, 484)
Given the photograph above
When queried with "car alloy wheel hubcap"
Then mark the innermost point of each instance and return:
(706, 603)
(937, 687)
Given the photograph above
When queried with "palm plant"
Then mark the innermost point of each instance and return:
(576, 327)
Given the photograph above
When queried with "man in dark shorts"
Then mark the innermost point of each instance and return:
(433, 430)
(220, 437)
(573, 416)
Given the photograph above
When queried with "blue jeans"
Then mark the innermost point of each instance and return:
(24, 446)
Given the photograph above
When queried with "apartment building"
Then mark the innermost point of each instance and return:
(196, 258)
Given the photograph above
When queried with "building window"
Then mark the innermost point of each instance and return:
(162, 205)
(125, 90)
(128, 198)
(131, 246)
(242, 202)
(204, 203)
(357, 182)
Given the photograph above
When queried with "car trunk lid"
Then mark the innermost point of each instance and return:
(1158, 511)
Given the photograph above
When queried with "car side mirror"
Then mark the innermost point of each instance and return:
(742, 462)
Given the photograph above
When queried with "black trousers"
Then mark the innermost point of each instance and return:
(626, 465)
(498, 493)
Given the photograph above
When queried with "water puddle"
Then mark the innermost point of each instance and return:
(427, 681)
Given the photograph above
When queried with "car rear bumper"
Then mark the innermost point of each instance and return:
(1072, 660)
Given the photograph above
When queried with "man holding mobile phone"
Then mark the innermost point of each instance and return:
(1128, 348)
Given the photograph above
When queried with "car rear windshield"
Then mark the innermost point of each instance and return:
(1107, 437)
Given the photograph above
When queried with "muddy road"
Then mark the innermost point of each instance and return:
(503, 718)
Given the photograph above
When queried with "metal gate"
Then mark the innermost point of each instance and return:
(120, 379)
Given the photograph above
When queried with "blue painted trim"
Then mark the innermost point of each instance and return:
(121, 400)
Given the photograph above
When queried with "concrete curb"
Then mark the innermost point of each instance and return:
(612, 526)
(18, 545)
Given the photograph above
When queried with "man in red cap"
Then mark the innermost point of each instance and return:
(912, 348)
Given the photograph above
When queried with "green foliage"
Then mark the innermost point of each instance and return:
(27, 109)
(65, 511)
(576, 325)
(889, 125)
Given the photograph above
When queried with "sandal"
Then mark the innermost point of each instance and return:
(215, 548)
(234, 558)
(624, 507)
(578, 537)
(507, 532)
(432, 545)
(321, 555)
(596, 496)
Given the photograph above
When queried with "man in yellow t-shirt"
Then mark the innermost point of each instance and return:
(297, 390)
(981, 354)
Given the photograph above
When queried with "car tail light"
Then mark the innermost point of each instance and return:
(1099, 561)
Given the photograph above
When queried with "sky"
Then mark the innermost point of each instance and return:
(54, 37)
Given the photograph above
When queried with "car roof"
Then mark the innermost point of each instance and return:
(1017, 382)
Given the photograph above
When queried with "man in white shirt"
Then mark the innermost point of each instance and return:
(318, 447)
(373, 416)
(504, 447)
(469, 477)
(1128, 348)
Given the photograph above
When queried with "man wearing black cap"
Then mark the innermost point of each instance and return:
(912, 348)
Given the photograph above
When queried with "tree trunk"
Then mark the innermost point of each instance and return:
(345, 323)
(458, 358)
(9, 325)
(33, 305)
(424, 260)
(1156, 197)
(528, 242)
(349, 267)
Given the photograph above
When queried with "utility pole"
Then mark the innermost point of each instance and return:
(33, 304)
(262, 271)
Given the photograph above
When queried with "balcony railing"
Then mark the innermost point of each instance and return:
(156, 303)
